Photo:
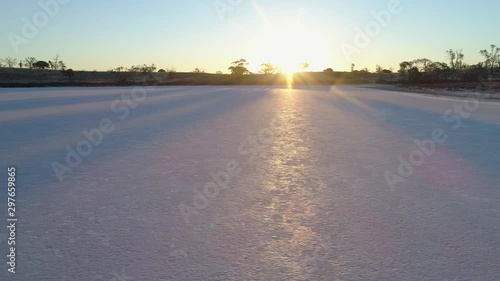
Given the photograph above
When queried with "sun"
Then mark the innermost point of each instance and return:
(287, 46)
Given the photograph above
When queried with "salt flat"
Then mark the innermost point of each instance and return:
(251, 183)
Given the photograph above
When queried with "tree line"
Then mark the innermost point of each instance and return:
(32, 63)
(412, 70)
(455, 69)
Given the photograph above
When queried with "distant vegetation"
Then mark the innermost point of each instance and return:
(269, 68)
(239, 67)
(41, 65)
(33, 63)
(415, 71)
(425, 70)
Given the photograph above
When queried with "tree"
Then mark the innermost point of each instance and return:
(219, 72)
(20, 64)
(491, 58)
(268, 68)
(414, 74)
(29, 61)
(239, 67)
(404, 67)
(55, 62)
(119, 69)
(162, 70)
(143, 68)
(438, 68)
(10, 61)
(304, 66)
(456, 59)
(472, 72)
(198, 70)
(133, 68)
(148, 68)
(378, 69)
(328, 70)
(62, 66)
(41, 64)
(422, 64)
(352, 67)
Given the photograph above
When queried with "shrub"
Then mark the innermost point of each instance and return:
(41, 64)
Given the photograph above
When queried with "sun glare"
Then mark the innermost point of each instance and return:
(285, 45)
(289, 78)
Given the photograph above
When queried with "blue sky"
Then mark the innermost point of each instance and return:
(94, 34)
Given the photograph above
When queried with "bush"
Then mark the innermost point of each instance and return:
(41, 64)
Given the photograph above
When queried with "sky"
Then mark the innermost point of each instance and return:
(210, 34)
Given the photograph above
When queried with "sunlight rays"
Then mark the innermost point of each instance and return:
(453, 167)
(352, 100)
